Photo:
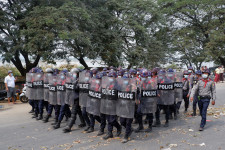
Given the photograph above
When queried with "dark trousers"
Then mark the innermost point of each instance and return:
(112, 122)
(166, 108)
(195, 103)
(127, 123)
(56, 108)
(64, 111)
(31, 102)
(221, 77)
(76, 110)
(203, 105)
(41, 105)
(92, 120)
(149, 116)
(36, 109)
(85, 116)
(186, 101)
(173, 108)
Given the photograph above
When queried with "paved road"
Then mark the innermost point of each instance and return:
(19, 131)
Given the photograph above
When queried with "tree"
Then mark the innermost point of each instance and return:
(202, 22)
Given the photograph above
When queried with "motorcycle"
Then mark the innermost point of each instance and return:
(23, 98)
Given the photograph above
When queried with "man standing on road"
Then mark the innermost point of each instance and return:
(221, 73)
(10, 86)
(206, 89)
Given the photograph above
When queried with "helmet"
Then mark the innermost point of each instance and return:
(74, 70)
(170, 70)
(149, 73)
(49, 70)
(198, 72)
(162, 72)
(99, 75)
(64, 70)
(206, 71)
(94, 70)
(144, 73)
(126, 75)
(105, 69)
(120, 73)
(111, 68)
(112, 74)
(55, 71)
(186, 72)
(190, 68)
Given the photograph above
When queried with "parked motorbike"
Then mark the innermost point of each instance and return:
(23, 98)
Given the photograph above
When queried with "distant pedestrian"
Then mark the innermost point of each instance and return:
(10, 86)
(221, 73)
(217, 75)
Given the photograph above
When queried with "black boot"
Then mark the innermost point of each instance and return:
(171, 116)
(157, 124)
(45, 120)
(109, 135)
(66, 129)
(119, 131)
(82, 125)
(54, 123)
(175, 116)
(32, 111)
(139, 129)
(57, 125)
(87, 128)
(101, 132)
(91, 129)
(40, 117)
(125, 139)
(166, 124)
(35, 115)
(194, 113)
(149, 129)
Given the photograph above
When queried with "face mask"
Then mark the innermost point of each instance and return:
(119, 76)
(54, 80)
(160, 77)
(189, 71)
(74, 76)
(49, 75)
(125, 82)
(97, 81)
(204, 76)
(39, 76)
(185, 76)
(143, 79)
(170, 75)
(110, 79)
(11, 74)
(86, 79)
(62, 77)
(149, 77)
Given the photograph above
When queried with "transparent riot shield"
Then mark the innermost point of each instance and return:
(166, 89)
(39, 86)
(109, 96)
(148, 95)
(61, 89)
(93, 105)
(84, 78)
(71, 84)
(178, 86)
(127, 89)
(52, 90)
(46, 86)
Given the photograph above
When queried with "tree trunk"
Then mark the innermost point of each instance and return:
(222, 60)
(82, 62)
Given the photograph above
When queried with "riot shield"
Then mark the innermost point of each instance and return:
(61, 89)
(178, 86)
(148, 95)
(46, 86)
(126, 88)
(71, 83)
(29, 85)
(52, 90)
(84, 78)
(39, 86)
(109, 96)
(93, 105)
(166, 90)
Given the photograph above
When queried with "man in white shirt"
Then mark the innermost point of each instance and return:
(10, 86)
(221, 73)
